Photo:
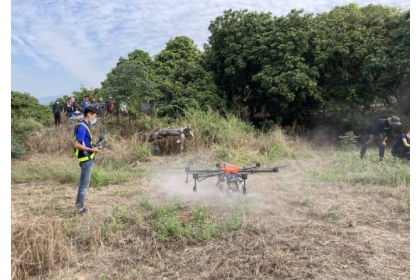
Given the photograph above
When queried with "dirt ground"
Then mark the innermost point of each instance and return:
(290, 229)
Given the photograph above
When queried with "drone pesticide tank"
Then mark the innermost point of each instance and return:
(230, 169)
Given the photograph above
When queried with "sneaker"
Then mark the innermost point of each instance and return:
(82, 211)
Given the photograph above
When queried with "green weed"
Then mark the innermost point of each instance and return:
(117, 220)
(145, 203)
(334, 212)
(406, 207)
(203, 226)
(166, 224)
(234, 220)
(307, 202)
(29, 192)
(141, 152)
(123, 193)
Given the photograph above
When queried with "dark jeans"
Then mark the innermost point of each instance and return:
(377, 141)
(57, 118)
(401, 152)
(69, 115)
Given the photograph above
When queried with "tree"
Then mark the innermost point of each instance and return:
(236, 48)
(183, 81)
(394, 67)
(261, 63)
(129, 82)
(292, 66)
(25, 106)
(179, 50)
(354, 50)
(27, 115)
(288, 77)
(79, 96)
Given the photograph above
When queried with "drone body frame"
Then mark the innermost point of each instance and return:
(230, 177)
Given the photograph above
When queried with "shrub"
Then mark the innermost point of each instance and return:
(22, 128)
(17, 149)
(25, 106)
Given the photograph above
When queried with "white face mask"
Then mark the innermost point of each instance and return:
(93, 122)
(408, 135)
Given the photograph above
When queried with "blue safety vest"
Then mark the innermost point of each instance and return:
(80, 156)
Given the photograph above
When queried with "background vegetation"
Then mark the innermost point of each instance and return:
(299, 70)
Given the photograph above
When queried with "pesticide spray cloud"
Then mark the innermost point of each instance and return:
(171, 184)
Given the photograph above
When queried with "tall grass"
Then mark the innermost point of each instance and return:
(68, 171)
(217, 138)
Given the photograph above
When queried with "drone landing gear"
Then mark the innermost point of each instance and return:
(244, 177)
(221, 185)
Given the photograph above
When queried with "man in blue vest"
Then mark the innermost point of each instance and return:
(85, 153)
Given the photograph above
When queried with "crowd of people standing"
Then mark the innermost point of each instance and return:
(72, 108)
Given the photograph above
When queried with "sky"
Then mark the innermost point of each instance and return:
(59, 45)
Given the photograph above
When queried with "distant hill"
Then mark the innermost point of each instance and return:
(48, 99)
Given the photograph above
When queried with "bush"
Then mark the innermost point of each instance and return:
(25, 106)
(22, 128)
(17, 149)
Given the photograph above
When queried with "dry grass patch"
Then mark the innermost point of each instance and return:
(38, 245)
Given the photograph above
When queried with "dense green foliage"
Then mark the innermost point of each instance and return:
(300, 68)
(359, 60)
(129, 82)
(24, 106)
(27, 115)
(293, 66)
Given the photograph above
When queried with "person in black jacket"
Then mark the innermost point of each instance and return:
(57, 109)
(401, 148)
(373, 134)
(70, 108)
